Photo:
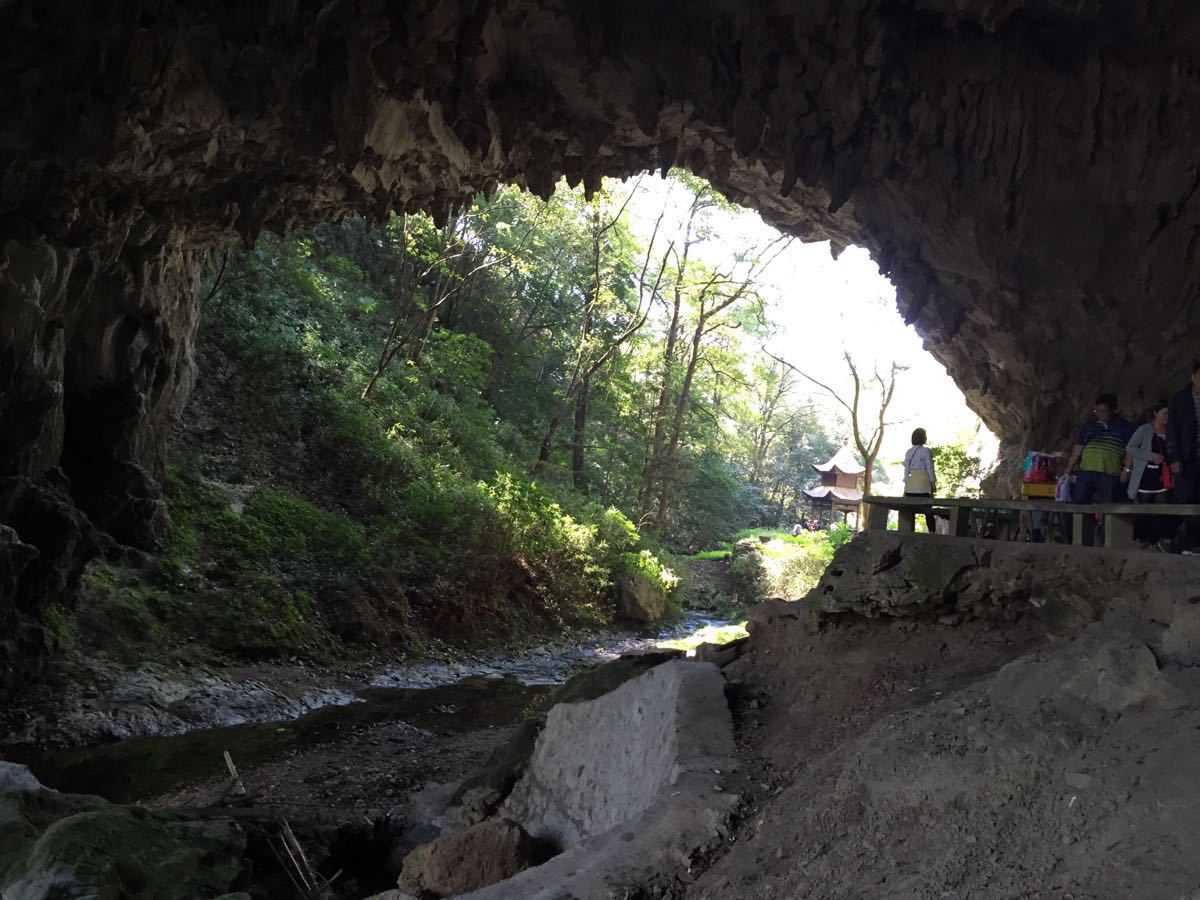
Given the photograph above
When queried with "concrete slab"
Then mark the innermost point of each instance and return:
(630, 784)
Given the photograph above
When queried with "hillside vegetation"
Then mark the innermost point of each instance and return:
(464, 430)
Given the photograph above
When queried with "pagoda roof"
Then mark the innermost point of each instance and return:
(844, 462)
(849, 495)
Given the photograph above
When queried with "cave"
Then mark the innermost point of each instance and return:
(1021, 170)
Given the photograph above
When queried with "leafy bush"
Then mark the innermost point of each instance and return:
(646, 564)
(299, 532)
(784, 565)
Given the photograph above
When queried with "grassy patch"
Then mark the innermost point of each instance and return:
(709, 634)
(710, 554)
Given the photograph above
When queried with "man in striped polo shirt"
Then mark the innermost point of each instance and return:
(1099, 449)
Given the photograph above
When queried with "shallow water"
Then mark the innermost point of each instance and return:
(133, 769)
(474, 693)
(550, 663)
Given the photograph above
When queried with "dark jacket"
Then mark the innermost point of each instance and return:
(1181, 427)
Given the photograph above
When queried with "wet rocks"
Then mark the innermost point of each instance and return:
(100, 701)
(472, 858)
(54, 845)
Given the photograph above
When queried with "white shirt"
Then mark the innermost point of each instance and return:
(918, 457)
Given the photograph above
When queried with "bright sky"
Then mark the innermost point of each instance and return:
(820, 308)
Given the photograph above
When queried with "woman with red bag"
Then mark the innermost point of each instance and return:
(1148, 473)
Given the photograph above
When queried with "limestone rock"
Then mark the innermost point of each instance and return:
(63, 845)
(1113, 678)
(640, 737)
(636, 799)
(773, 613)
(722, 655)
(638, 598)
(481, 793)
(891, 574)
(473, 858)
(1181, 642)
(882, 573)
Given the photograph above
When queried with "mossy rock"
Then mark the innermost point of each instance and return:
(63, 845)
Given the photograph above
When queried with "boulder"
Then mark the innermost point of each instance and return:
(631, 784)
(472, 858)
(1181, 642)
(638, 739)
(890, 574)
(1085, 687)
(638, 598)
(722, 655)
(481, 793)
(64, 845)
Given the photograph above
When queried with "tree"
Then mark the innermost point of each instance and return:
(955, 467)
(773, 387)
(605, 304)
(868, 421)
(705, 303)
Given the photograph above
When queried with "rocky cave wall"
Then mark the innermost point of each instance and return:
(1022, 169)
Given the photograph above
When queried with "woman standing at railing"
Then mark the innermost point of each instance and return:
(919, 478)
(1148, 473)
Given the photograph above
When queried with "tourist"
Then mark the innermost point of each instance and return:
(1183, 411)
(1099, 450)
(919, 478)
(1147, 468)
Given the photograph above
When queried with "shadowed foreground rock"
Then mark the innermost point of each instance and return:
(473, 858)
(888, 574)
(65, 845)
(973, 719)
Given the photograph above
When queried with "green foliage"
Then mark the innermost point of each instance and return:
(711, 554)
(646, 564)
(956, 470)
(840, 534)
(304, 534)
(770, 564)
(412, 478)
(57, 621)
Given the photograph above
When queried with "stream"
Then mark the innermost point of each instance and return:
(428, 718)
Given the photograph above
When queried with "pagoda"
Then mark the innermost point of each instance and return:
(840, 489)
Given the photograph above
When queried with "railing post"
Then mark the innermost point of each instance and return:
(908, 519)
(960, 521)
(1083, 532)
(1118, 530)
(877, 517)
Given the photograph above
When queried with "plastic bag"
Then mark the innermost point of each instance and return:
(1062, 489)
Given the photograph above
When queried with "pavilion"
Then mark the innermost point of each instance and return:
(840, 489)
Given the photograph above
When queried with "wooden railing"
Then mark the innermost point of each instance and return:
(963, 513)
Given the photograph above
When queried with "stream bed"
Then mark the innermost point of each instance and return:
(358, 743)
